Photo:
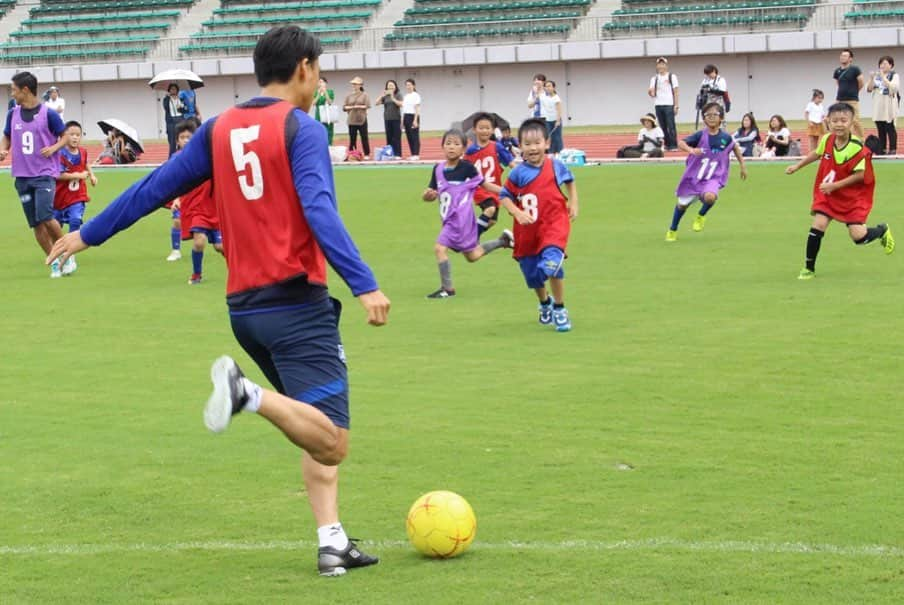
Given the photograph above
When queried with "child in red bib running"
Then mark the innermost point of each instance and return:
(843, 190)
(543, 215)
(71, 187)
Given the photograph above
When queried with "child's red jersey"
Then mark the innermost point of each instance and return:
(851, 204)
(543, 200)
(74, 191)
(199, 210)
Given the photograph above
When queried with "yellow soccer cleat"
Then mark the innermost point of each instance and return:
(699, 223)
(671, 236)
(806, 274)
(888, 240)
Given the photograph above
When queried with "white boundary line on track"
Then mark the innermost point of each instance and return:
(652, 544)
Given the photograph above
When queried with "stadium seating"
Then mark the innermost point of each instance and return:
(485, 21)
(62, 31)
(646, 17)
(237, 24)
(870, 13)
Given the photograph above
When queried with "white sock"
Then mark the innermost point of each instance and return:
(254, 392)
(332, 535)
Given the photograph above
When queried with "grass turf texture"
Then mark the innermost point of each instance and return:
(713, 430)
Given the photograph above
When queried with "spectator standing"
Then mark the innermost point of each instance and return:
(714, 87)
(533, 99)
(190, 110)
(411, 118)
(664, 92)
(747, 135)
(34, 135)
(815, 115)
(55, 101)
(885, 85)
(172, 110)
(324, 97)
(392, 116)
(356, 105)
(849, 79)
(551, 111)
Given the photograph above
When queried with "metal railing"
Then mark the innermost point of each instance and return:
(582, 29)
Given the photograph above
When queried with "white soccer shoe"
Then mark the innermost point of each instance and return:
(228, 397)
(70, 266)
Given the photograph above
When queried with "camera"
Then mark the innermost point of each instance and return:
(702, 96)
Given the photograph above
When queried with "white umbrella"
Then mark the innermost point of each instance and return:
(127, 131)
(185, 78)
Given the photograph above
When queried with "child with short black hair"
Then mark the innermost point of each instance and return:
(844, 188)
(488, 156)
(71, 187)
(543, 214)
(453, 182)
(198, 220)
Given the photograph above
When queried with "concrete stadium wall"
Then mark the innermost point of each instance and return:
(600, 91)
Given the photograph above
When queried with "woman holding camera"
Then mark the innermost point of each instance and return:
(885, 86)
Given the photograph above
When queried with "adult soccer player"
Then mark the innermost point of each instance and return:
(277, 209)
(34, 135)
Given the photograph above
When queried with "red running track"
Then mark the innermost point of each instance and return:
(595, 146)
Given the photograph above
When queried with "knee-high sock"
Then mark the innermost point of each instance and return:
(814, 240)
(175, 237)
(197, 260)
(445, 275)
(676, 217)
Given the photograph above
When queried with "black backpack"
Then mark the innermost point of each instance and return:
(872, 143)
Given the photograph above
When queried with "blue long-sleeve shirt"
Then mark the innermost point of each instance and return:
(312, 174)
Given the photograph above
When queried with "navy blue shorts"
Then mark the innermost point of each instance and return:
(213, 235)
(36, 194)
(298, 349)
(537, 269)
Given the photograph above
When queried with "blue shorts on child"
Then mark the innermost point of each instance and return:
(539, 268)
(71, 215)
(213, 235)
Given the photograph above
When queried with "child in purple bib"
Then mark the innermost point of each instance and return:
(453, 182)
(706, 170)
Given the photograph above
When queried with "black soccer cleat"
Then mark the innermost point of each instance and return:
(228, 397)
(442, 293)
(334, 562)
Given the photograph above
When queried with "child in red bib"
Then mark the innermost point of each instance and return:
(843, 190)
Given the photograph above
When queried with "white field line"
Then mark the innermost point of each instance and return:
(652, 544)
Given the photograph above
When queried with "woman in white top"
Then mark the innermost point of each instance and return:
(411, 118)
(778, 139)
(56, 102)
(650, 138)
(551, 111)
(885, 86)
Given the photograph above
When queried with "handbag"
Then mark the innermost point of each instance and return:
(329, 113)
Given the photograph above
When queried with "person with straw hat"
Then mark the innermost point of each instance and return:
(650, 138)
(356, 105)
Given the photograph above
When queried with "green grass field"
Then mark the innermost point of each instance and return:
(712, 431)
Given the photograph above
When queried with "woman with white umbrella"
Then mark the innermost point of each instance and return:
(172, 110)
(179, 104)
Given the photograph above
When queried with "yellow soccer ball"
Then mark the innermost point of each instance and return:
(441, 524)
